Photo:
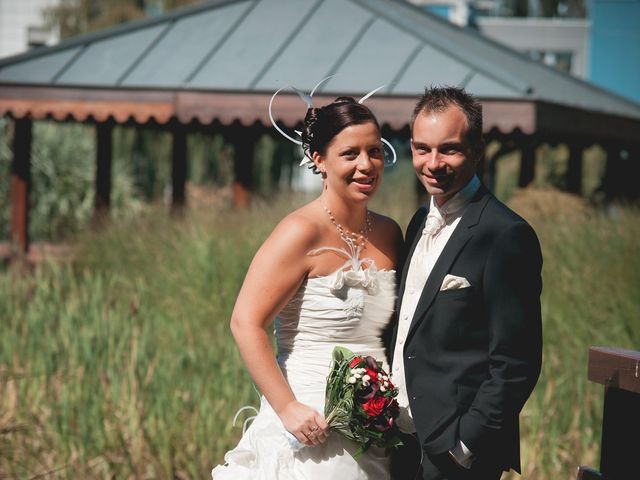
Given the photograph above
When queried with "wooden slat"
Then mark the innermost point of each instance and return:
(615, 367)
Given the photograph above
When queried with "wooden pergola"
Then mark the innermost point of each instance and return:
(238, 52)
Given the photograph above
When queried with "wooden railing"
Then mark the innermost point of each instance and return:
(619, 371)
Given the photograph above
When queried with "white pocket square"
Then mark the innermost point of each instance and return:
(451, 282)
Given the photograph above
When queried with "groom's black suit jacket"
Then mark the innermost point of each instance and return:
(473, 355)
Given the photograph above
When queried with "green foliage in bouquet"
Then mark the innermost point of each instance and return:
(361, 401)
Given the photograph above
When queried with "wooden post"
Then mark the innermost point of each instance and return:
(574, 167)
(631, 168)
(507, 145)
(527, 161)
(619, 371)
(104, 148)
(611, 180)
(244, 141)
(178, 168)
(21, 185)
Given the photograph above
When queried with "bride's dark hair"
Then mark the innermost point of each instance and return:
(322, 124)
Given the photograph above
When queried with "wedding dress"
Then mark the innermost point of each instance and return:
(351, 308)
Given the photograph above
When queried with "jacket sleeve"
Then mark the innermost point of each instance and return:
(511, 288)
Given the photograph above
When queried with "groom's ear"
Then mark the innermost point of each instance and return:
(319, 161)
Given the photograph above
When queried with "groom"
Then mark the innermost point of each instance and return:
(468, 342)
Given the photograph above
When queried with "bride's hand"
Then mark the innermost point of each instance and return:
(305, 423)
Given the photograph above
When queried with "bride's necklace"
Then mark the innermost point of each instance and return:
(353, 239)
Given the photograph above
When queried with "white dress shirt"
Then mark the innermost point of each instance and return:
(440, 224)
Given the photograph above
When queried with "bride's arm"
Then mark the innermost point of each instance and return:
(275, 274)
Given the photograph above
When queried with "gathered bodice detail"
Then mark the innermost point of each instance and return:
(350, 307)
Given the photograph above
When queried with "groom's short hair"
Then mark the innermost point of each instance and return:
(438, 99)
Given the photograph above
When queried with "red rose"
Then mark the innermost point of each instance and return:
(373, 375)
(354, 363)
(374, 407)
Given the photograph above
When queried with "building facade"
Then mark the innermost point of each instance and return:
(615, 46)
(23, 26)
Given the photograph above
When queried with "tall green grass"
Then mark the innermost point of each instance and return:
(120, 363)
(591, 277)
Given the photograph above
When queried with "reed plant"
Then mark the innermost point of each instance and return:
(120, 363)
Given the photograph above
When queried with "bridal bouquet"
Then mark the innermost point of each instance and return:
(361, 401)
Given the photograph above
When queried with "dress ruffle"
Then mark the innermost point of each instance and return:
(262, 454)
(366, 279)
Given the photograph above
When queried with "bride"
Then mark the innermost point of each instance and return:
(326, 274)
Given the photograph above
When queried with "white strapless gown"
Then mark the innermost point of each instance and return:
(348, 308)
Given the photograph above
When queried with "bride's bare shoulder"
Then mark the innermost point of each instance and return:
(299, 230)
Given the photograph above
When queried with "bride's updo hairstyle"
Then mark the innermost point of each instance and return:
(322, 124)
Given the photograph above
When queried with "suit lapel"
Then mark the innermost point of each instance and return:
(461, 235)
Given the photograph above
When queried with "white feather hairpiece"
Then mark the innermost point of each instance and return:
(308, 100)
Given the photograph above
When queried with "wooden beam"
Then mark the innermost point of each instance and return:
(21, 184)
(615, 367)
(563, 120)
(83, 104)
(104, 148)
(144, 105)
(178, 168)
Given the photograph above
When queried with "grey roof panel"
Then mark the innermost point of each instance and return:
(483, 86)
(189, 41)
(105, 61)
(374, 60)
(41, 69)
(430, 67)
(249, 48)
(311, 55)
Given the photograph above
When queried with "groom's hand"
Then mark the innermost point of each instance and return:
(305, 423)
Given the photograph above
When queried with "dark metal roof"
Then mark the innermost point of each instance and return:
(257, 46)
